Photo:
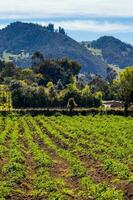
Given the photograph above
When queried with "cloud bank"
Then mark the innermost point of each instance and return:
(44, 8)
(86, 25)
(96, 17)
(92, 26)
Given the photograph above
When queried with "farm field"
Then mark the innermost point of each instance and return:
(64, 158)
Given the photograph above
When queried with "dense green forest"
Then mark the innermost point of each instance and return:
(56, 83)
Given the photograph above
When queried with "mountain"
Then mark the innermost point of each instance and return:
(113, 51)
(18, 41)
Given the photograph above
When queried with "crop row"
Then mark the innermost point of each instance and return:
(77, 167)
(13, 171)
(95, 146)
(30, 148)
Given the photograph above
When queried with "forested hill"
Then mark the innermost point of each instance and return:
(19, 41)
(114, 51)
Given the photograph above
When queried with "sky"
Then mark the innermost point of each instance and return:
(83, 20)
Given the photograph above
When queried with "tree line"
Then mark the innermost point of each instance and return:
(56, 83)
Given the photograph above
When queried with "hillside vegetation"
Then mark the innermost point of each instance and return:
(28, 38)
(113, 51)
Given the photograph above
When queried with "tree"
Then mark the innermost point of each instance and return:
(71, 104)
(27, 75)
(124, 87)
(99, 84)
(71, 67)
(62, 69)
(9, 70)
(59, 85)
(50, 28)
(37, 59)
(2, 65)
(61, 30)
(111, 75)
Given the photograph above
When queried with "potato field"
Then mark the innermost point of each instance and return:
(65, 158)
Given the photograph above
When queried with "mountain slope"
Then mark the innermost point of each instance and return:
(114, 51)
(23, 38)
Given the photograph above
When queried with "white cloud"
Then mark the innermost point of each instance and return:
(2, 26)
(92, 26)
(44, 8)
(87, 25)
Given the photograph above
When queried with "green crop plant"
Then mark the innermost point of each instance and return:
(63, 157)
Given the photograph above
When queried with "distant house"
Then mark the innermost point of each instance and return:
(113, 104)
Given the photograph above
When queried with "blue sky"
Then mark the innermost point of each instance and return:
(82, 19)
